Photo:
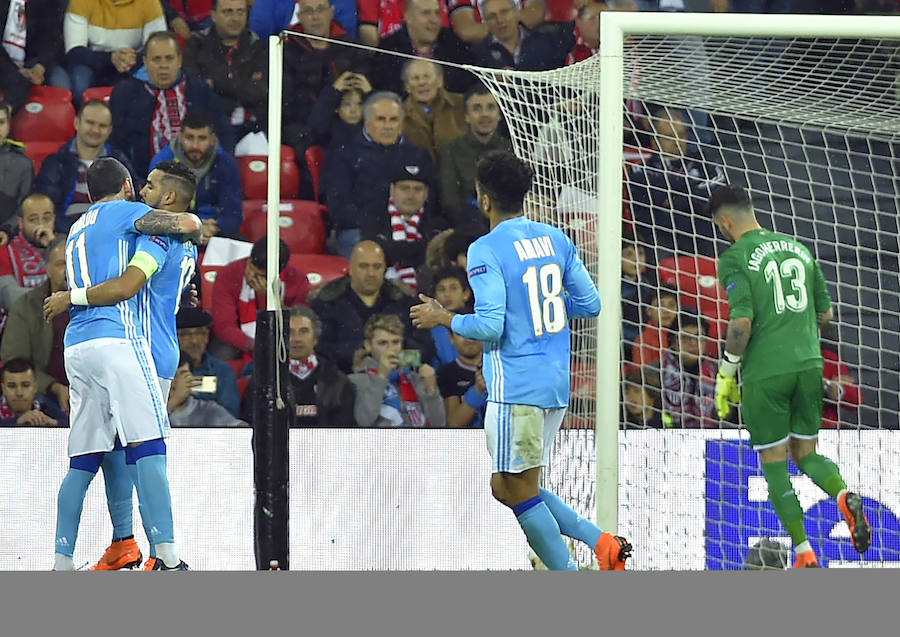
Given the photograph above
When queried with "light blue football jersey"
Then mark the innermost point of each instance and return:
(99, 246)
(158, 301)
(528, 281)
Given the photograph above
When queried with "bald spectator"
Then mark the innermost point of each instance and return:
(148, 107)
(511, 45)
(240, 292)
(16, 173)
(433, 116)
(344, 305)
(423, 35)
(234, 62)
(457, 159)
(357, 176)
(587, 32)
(63, 176)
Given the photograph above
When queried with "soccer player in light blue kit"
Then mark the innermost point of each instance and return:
(528, 282)
(108, 358)
(170, 187)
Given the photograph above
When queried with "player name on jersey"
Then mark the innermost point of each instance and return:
(536, 248)
(769, 247)
(87, 219)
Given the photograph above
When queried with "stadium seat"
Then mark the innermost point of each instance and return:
(207, 279)
(320, 268)
(254, 175)
(315, 155)
(47, 116)
(97, 93)
(302, 224)
(697, 282)
(39, 151)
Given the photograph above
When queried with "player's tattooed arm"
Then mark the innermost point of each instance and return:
(737, 336)
(169, 223)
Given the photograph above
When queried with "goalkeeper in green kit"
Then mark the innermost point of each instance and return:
(778, 300)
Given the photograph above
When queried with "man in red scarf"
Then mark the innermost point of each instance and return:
(22, 263)
(587, 32)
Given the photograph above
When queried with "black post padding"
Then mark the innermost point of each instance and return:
(270, 445)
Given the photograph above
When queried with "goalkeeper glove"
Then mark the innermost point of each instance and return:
(727, 390)
(612, 551)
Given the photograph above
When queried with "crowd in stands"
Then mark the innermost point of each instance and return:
(379, 151)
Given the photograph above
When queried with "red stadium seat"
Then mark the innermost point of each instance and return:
(254, 175)
(320, 268)
(561, 11)
(315, 155)
(39, 151)
(302, 224)
(97, 93)
(207, 279)
(47, 116)
(697, 282)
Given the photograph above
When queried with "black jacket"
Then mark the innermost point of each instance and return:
(449, 48)
(344, 315)
(240, 81)
(539, 51)
(376, 226)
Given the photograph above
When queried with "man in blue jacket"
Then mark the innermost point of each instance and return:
(218, 198)
(149, 106)
(63, 176)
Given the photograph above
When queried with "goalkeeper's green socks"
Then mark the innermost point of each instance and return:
(823, 472)
(784, 500)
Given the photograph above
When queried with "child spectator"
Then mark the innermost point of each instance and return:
(638, 284)
(688, 375)
(654, 339)
(641, 407)
(462, 384)
(451, 290)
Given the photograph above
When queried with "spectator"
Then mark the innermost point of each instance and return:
(22, 263)
(587, 32)
(345, 304)
(391, 394)
(186, 410)
(688, 375)
(337, 115)
(423, 35)
(638, 285)
(433, 116)
(461, 383)
(185, 17)
(511, 45)
(468, 19)
(641, 407)
(149, 106)
(193, 324)
(63, 176)
(357, 178)
(456, 248)
(240, 292)
(323, 396)
(234, 62)
(452, 291)
(16, 172)
(27, 335)
(21, 403)
(404, 227)
(668, 191)
(32, 47)
(841, 389)
(312, 65)
(654, 338)
(271, 17)
(380, 18)
(457, 159)
(102, 38)
(218, 198)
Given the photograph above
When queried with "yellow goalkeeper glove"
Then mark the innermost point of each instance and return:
(727, 390)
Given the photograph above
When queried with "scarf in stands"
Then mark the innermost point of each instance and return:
(302, 369)
(171, 104)
(14, 32)
(404, 229)
(28, 263)
(247, 307)
(582, 49)
(400, 397)
(6, 412)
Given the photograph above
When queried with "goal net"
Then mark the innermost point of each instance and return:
(811, 126)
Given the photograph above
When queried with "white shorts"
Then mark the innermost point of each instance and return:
(519, 437)
(114, 391)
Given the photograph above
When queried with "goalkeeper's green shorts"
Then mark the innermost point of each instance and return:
(784, 406)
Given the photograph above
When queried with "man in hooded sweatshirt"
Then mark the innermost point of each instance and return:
(218, 198)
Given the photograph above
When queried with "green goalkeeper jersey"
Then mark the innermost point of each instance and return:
(775, 282)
